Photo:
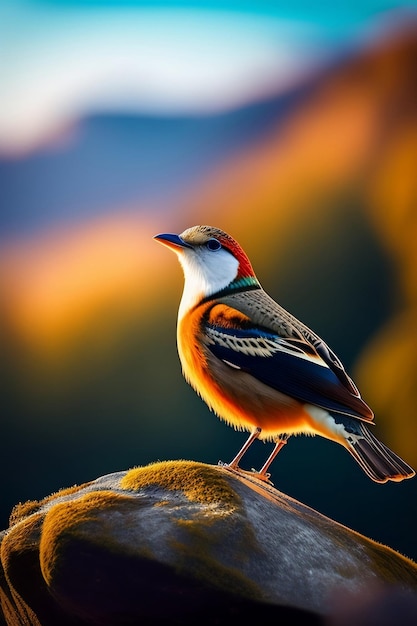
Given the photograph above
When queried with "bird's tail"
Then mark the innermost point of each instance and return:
(377, 461)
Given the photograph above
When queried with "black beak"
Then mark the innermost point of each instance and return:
(172, 241)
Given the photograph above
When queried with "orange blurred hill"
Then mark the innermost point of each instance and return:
(344, 159)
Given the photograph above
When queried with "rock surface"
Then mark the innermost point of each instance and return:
(175, 540)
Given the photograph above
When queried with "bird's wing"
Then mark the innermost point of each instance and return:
(290, 364)
(268, 314)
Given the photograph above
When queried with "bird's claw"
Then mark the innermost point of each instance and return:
(253, 473)
(264, 477)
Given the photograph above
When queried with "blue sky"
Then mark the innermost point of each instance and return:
(330, 13)
(60, 59)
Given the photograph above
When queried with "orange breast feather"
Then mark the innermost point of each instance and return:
(236, 396)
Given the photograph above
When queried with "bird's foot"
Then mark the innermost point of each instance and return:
(252, 473)
(261, 476)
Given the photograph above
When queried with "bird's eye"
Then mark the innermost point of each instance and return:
(213, 244)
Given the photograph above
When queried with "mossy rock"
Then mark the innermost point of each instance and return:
(173, 540)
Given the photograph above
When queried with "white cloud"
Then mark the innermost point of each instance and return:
(57, 64)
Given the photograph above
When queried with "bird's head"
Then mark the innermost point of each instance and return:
(212, 262)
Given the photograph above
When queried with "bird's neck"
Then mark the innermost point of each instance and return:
(247, 283)
(191, 298)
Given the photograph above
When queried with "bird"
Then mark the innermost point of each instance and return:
(258, 367)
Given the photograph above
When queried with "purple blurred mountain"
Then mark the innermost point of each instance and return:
(124, 160)
(148, 162)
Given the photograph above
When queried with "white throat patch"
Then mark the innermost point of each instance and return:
(205, 273)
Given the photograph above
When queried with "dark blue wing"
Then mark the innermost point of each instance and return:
(287, 365)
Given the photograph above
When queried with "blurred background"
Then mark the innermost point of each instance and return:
(291, 125)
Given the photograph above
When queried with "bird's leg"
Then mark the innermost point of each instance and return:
(279, 443)
(234, 464)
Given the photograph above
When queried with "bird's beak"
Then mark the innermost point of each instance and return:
(172, 241)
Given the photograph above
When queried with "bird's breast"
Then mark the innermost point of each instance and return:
(236, 396)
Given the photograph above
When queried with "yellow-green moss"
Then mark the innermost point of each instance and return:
(390, 565)
(202, 531)
(199, 482)
(24, 509)
(67, 520)
(66, 491)
(387, 563)
(22, 537)
(197, 557)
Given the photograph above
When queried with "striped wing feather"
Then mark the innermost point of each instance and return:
(281, 352)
